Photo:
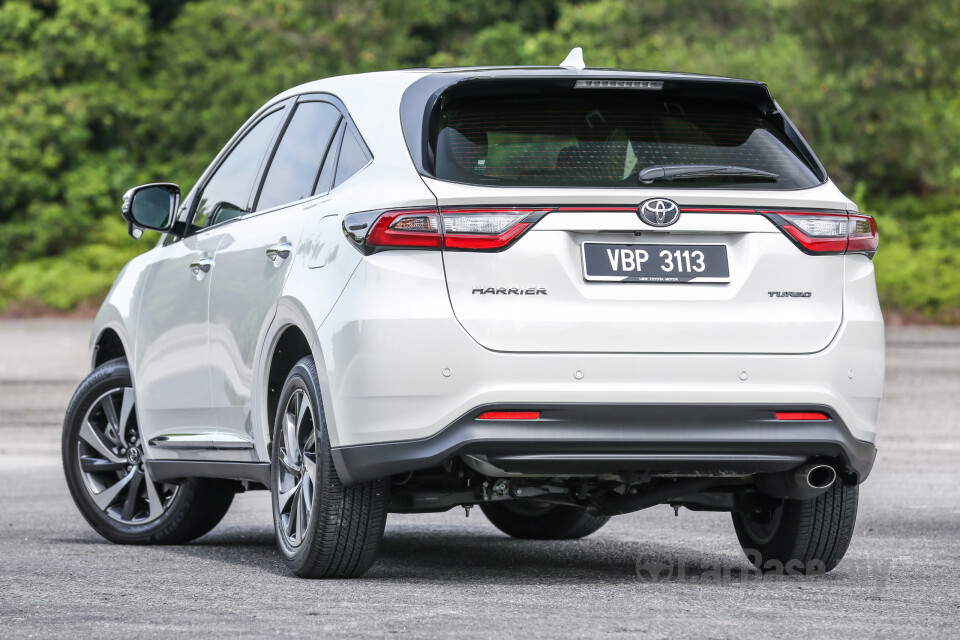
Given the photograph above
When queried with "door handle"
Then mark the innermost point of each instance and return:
(279, 252)
(201, 267)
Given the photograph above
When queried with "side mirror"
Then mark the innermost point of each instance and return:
(150, 206)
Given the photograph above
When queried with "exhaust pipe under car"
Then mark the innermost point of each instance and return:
(816, 476)
(803, 483)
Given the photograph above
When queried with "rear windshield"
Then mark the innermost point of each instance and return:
(606, 139)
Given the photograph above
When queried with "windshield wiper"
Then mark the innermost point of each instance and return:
(690, 171)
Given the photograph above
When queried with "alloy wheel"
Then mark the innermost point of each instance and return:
(111, 462)
(297, 471)
(762, 525)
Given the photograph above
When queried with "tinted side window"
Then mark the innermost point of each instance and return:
(353, 157)
(293, 171)
(226, 193)
(325, 181)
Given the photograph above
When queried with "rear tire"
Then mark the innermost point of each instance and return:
(539, 521)
(323, 529)
(800, 536)
(110, 484)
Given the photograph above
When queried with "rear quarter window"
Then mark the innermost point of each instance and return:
(353, 157)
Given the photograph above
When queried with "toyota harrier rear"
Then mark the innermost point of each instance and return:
(560, 294)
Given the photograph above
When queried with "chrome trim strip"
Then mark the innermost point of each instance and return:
(201, 441)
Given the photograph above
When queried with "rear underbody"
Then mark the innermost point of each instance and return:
(614, 458)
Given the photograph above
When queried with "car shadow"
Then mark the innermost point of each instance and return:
(413, 554)
(416, 555)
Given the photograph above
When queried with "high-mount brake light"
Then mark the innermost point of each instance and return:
(618, 84)
(509, 415)
(802, 415)
(459, 228)
(825, 232)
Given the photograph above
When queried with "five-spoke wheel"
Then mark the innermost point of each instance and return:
(109, 478)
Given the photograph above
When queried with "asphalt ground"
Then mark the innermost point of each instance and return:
(444, 575)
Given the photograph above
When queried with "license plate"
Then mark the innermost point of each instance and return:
(655, 262)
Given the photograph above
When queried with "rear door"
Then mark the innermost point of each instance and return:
(594, 271)
(257, 254)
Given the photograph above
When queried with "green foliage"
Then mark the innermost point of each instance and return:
(79, 274)
(100, 95)
(63, 111)
(918, 261)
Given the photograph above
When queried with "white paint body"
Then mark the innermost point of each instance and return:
(384, 327)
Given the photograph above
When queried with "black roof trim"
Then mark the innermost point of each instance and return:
(589, 72)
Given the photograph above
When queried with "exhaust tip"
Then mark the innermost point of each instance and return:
(819, 476)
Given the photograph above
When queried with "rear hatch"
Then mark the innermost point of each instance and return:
(603, 250)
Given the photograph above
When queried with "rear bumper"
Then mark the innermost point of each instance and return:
(405, 382)
(399, 371)
(571, 439)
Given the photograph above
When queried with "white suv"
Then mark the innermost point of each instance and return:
(557, 293)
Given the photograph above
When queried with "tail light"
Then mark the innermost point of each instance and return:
(469, 229)
(406, 228)
(821, 232)
(862, 234)
(491, 229)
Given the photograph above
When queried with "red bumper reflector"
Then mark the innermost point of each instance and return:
(800, 415)
(509, 415)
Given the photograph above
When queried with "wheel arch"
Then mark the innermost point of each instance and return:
(109, 339)
(107, 346)
(291, 336)
(114, 330)
(290, 347)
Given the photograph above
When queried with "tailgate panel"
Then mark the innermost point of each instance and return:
(744, 315)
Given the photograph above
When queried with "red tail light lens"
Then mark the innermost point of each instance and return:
(509, 415)
(406, 228)
(821, 232)
(863, 234)
(801, 415)
(456, 228)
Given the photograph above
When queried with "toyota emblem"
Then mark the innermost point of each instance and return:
(659, 212)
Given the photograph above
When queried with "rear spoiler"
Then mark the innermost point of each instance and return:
(422, 100)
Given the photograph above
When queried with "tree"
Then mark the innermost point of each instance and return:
(99, 95)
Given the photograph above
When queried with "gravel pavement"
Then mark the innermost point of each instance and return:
(443, 575)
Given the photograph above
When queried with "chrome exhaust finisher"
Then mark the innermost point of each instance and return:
(803, 483)
(816, 476)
